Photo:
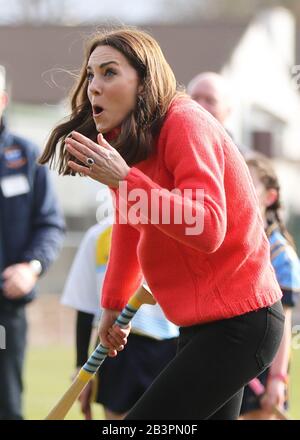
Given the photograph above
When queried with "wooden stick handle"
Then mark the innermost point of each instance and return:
(60, 410)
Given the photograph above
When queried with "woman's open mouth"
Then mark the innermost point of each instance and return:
(97, 111)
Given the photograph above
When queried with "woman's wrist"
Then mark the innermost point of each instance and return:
(125, 173)
(279, 377)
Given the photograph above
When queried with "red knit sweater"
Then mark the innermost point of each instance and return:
(221, 272)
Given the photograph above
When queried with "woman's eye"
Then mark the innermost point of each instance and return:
(89, 76)
(109, 72)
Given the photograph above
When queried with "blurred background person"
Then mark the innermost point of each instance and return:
(287, 268)
(211, 91)
(31, 233)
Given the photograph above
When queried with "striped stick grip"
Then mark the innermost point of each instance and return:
(142, 296)
(100, 353)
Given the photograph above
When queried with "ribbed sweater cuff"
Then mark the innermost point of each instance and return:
(113, 303)
(136, 179)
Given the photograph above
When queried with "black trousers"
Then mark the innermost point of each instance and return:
(13, 320)
(214, 362)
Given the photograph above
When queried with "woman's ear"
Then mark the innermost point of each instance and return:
(271, 197)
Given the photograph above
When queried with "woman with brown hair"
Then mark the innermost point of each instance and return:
(187, 219)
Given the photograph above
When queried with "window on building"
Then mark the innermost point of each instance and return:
(263, 142)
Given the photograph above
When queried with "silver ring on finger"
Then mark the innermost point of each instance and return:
(90, 162)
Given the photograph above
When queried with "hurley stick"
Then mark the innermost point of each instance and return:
(142, 296)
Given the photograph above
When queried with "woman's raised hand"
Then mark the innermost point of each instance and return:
(105, 164)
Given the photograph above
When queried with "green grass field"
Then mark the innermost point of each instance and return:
(48, 372)
(294, 388)
(47, 376)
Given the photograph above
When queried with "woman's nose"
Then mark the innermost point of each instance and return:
(96, 87)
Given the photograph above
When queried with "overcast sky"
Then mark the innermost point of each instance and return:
(86, 10)
(126, 9)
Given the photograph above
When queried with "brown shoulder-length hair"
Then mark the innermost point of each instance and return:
(140, 127)
(268, 177)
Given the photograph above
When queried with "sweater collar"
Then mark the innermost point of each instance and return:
(112, 134)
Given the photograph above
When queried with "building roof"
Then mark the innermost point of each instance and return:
(34, 57)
